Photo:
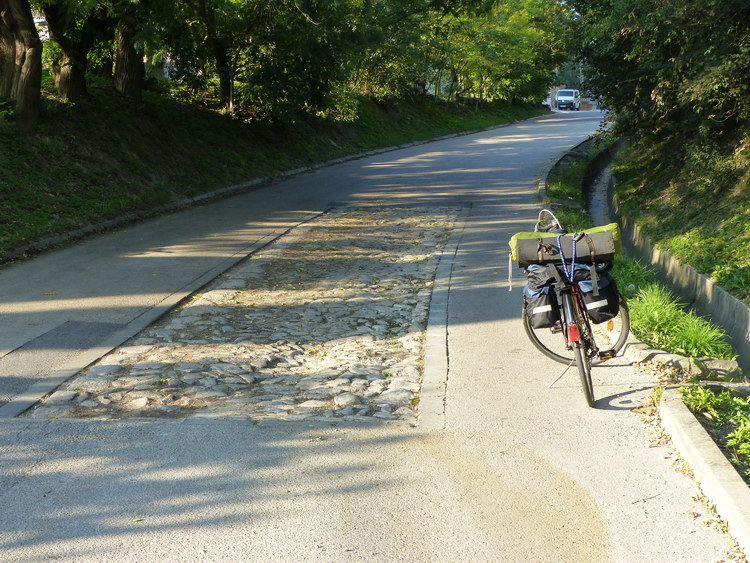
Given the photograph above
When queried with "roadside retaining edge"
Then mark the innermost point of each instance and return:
(717, 478)
(436, 367)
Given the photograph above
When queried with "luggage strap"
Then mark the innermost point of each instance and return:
(594, 273)
(570, 274)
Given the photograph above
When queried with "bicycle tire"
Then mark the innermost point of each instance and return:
(551, 344)
(580, 351)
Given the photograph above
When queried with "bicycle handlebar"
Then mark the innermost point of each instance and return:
(554, 225)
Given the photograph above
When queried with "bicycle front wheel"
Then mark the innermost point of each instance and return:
(609, 336)
(581, 341)
(584, 372)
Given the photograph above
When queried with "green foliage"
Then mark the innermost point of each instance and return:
(655, 313)
(728, 416)
(700, 222)
(669, 67)
(739, 441)
(565, 182)
(6, 109)
(51, 55)
(695, 336)
(297, 56)
(723, 407)
(573, 219)
(266, 59)
(632, 275)
(658, 319)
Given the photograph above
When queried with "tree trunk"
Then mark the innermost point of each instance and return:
(207, 13)
(226, 81)
(71, 80)
(452, 92)
(25, 81)
(129, 67)
(7, 50)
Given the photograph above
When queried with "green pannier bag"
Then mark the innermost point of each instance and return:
(598, 244)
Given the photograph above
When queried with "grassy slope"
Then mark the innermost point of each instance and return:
(699, 210)
(105, 159)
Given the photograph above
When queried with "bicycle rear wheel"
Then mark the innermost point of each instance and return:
(609, 336)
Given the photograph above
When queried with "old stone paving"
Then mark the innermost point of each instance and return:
(326, 323)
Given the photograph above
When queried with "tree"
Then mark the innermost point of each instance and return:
(671, 69)
(223, 27)
(20, 62)
(299, 51)
(75, 26)
(129, 67)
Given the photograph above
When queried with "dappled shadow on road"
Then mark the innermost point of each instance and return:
(327, 322)
(230, 490)
(479, 173)
(79, 491)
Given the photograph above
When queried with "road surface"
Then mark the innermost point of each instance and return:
(513, 471)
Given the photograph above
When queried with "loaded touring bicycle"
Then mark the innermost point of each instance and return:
(572, 311)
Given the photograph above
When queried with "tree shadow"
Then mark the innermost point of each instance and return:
(78, 490)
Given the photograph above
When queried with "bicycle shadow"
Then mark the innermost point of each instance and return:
(624, 400)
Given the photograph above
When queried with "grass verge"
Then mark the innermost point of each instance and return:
(725, 415)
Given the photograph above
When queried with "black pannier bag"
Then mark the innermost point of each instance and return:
(541, 302)
(605, 305)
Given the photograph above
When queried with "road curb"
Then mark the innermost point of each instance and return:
(436, 360)
(717, 477)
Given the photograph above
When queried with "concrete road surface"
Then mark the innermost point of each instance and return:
(513, 471)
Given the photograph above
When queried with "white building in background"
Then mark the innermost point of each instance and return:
(41, 28)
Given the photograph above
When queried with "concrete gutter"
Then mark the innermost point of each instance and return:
(702, 293)
(699, 291)
(717, 477)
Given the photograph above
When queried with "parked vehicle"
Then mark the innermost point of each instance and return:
(568, 99)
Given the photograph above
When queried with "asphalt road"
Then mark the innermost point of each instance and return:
(517, 471)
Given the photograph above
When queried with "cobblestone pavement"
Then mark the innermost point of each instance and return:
(326, 323)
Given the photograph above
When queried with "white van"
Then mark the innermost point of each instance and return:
(568, 99)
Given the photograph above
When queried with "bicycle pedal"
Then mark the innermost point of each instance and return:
(607, 354)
